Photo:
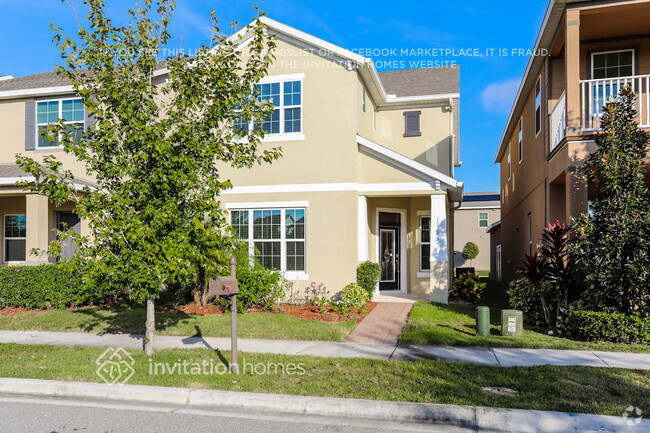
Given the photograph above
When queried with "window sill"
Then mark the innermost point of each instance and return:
(270, 138)
(48, 149)
(296, 276)
(424, 274)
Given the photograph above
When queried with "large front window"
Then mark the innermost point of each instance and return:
(276, 237)
(15, 236)
(48, 112)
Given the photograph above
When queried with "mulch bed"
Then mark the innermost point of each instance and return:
(309, 311)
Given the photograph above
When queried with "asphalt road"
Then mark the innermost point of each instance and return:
(41, 415)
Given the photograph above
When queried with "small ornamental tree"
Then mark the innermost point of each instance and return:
(612, 244)
(154, 149)
(470, 251)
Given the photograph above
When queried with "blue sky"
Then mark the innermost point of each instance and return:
(488, 82)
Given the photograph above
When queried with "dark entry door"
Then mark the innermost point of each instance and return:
(389, 248)
(68, 220)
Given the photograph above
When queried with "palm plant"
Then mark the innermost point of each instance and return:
(534, 269)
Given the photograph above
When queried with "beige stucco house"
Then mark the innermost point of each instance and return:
(478, 211)
(367, 171)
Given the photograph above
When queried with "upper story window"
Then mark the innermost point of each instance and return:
(538, 106)
(412, 124)
(483, 219)
(521, 139)
(612, 64)
(508, 168)
(363, 100)
(286, 118)
(48, 112)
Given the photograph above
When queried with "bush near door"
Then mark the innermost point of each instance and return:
(368, 276)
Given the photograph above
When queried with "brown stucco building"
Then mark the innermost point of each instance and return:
(585, 52)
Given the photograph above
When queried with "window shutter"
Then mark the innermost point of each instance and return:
(30, 125)
(412, 124)
(89, 119)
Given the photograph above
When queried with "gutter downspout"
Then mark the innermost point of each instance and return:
(452, 137)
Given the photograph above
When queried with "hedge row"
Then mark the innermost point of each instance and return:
(45, 286)
(599, 326)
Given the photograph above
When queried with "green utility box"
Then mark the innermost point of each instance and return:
(512, 322)
(483, 321)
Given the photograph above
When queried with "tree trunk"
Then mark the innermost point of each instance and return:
(150, 328)
(547, 315)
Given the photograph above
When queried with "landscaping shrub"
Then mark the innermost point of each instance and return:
(354, 295)
(525, 296)
(605, 326)
(470, 251)
(467, 287)
(368, 276)
(258, 286)
(47, 286)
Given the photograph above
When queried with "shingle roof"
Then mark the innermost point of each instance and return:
(13, 170)
(45, 79)
(417, 82)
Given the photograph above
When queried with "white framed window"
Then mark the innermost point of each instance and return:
(425, 243)
(497, 263)
(538, 106)
(276, 237)
(363, 99)
(483, 219)
(286, 118)
(521, 139)
(71, 110)
(15, 235)
(508, 167)
(612, 64)
(374, 119)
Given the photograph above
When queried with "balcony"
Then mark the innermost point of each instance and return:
(595, 93)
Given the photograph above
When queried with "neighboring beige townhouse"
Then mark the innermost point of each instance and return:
(367, 171)
(472, 219)
(588, 51)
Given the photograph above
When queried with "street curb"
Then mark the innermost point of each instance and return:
(476, 418)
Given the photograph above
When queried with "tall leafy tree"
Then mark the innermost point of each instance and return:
(612, 244)
(155, 147)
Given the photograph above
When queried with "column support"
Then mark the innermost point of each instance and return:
(37, 215)
(439, 279)
(362, 229)
(572, 73)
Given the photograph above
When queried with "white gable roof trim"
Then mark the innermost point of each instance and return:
(407, 164)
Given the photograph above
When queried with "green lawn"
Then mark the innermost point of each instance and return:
(573, 389)
(129, 319)
(455, 325)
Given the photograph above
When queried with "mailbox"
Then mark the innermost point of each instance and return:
(222, 286)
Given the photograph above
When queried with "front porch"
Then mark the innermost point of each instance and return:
(410, 238)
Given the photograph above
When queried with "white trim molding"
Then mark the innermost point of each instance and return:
(330, 187)
(41, 91)
(267, 204)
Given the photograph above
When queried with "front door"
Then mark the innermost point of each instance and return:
(66, 221)
(389, 248)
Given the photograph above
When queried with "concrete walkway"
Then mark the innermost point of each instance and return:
(330, 349)
(383, 325)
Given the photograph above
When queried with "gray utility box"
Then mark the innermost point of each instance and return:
(512, 322)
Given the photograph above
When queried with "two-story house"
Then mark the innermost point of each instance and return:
(585, 52)
(367, 171)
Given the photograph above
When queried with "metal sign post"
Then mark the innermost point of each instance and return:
(227, 286)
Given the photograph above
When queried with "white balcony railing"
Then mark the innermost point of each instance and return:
(595, 93)
(558, 121)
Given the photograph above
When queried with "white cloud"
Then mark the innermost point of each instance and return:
(498, 97)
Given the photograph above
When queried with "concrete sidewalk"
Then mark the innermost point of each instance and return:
(330, 349)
